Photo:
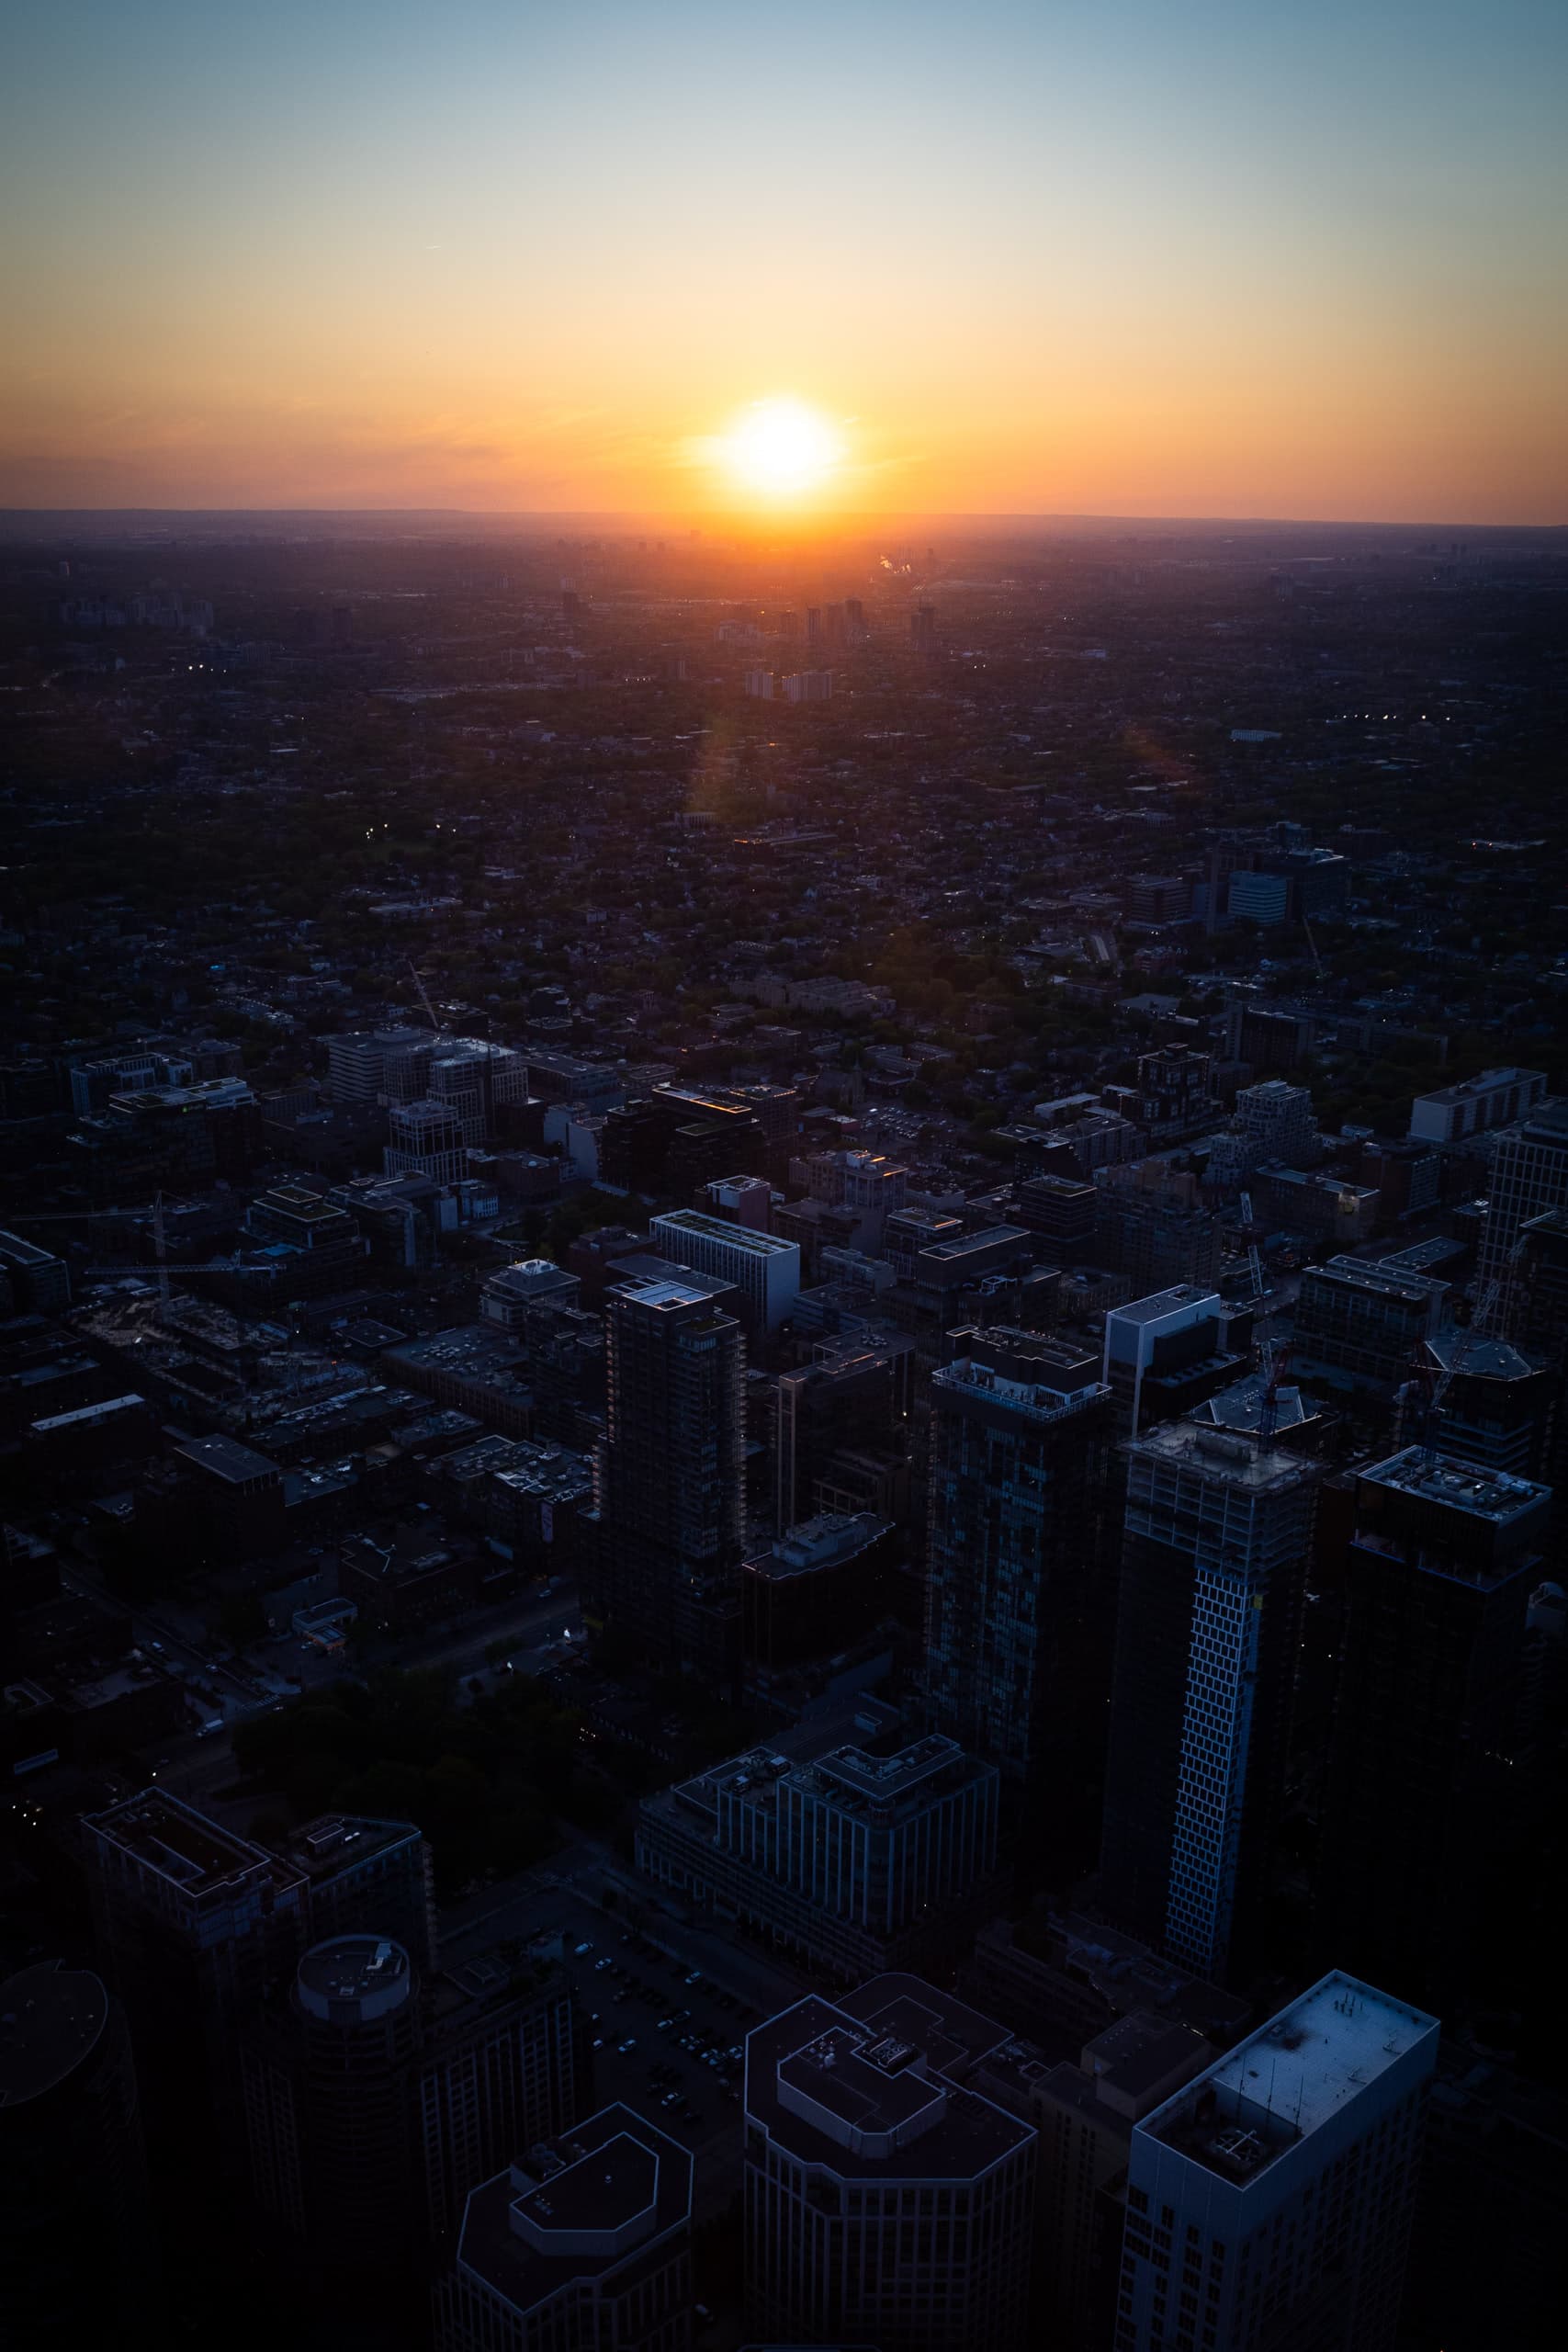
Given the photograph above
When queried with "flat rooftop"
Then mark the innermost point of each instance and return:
(170, 1837)
(861, 2087)
(610, 2188)
(743, 1237)
(1494, 1494)
(1161, 1303)
(1236, 1461)
(50, 2018)
(1291, 2076)
(227, 1458)
(341, 1841)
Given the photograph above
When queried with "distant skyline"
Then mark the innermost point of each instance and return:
(1119, 259)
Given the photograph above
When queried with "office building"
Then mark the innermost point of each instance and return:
(1151, 1225)
(1272, 1122)
(1168, 1352)
(759, 684)
(32, 1281)
(817, 1590)
(809, 685)
(1083, 2111)
(1488, 2266)
(1496, 1406)
(1528, 1177)
(853, 1396)
(194, 1924)
(427, 1140)
(1269, 2202)
(1018, 1441)
(1061, 1977)
(1495, 1099)
(374, 2100)
(852, 1861)
(582, 2246)
(1358, 1323)
(1427, 1774)
(923, 628)
(1217, 1534)
(512, 1292)
(670, 1478)
(888, 2200)
(1060, 1210)
(379, 1065)
(476, 1080)
(76, 2241)
(763, 1269)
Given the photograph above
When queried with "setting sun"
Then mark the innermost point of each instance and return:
(781, 448)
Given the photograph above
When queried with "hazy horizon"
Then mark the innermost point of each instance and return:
(1109, 260)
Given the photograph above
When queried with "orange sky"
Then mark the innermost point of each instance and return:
(1108, 259)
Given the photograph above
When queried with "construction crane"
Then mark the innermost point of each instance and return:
(423, 996)
(96, 1217)
(1271, 1361)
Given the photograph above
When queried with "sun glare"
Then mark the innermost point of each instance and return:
(781, 448)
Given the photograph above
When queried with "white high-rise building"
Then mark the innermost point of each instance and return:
(372, 1065)
(764, 1269)
(474, 1078)
(427, 1140)
(1529, 1176)
(1270, 2202)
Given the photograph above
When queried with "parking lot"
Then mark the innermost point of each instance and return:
(667, 2007)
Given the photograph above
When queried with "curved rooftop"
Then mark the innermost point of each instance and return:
(352, 1980)
(50, 2020)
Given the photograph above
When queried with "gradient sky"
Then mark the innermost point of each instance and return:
(1228, 257)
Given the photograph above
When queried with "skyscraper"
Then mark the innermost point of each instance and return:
(888, 2199)
(1020, 1435)
(1528, 1177)
(1425, 1787)
(1216, 1538)
(1269, 2202)
(75, 2233)
(669, 1479)
(374, 2101)
(582, 2246)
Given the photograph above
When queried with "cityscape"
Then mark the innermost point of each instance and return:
(783, 1208)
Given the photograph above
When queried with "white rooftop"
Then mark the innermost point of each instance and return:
(1291, 2077)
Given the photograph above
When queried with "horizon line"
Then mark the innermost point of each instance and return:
(718, 524)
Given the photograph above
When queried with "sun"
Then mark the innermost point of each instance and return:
(781, 448)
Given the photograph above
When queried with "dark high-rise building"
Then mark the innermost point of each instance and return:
(923, 628)
(1061, 1210)
(193, 1924)
(1424, 1789)
(670, 1478)
(1018, 1444)
(75, 2233)
(374, 2102)
(582, 2244)
(853, 1395)
(1358, 1325)
(889, 2199)
(1217, 1534)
